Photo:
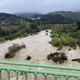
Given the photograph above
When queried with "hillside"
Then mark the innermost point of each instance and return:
(55, 17)
(12, 26)
(28, 15)
(61, 17)
(9, 19)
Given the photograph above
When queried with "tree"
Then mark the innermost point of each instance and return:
(78, 23)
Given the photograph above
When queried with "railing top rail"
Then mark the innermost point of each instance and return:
(41, 65)
(40, 72)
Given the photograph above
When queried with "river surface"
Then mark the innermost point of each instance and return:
(38, 47)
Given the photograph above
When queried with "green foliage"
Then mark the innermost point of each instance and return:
(56, 19)
(54, 35)
(63, 41)
(65, 35)
(13, 49)
(12, 26)
(2, 39)
(78, 25)
(55, 41)
(67, 41)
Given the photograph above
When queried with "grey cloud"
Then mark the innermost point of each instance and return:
(42, 6)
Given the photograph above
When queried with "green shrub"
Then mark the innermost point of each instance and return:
(65, 35)
(13, 49)
(67, 41)
(54, 35)
(55, 41)
(2, 39)
(63, 41)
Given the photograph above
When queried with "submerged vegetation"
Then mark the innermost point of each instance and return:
(57, 57)
(13, 49)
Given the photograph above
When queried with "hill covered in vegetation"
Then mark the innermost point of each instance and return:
(60, 17)
(12, 26)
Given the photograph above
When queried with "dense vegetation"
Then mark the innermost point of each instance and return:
(12, 26)
(56, 19)
(61, 17)
(66, 35)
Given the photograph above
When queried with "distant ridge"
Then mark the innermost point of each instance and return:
(54, 17)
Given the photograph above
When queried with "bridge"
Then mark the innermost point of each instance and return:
(25, 71)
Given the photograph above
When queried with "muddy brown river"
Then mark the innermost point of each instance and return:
(38, 47)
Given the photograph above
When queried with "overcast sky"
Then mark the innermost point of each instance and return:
(41, 6)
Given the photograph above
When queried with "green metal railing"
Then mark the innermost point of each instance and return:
(26, 71)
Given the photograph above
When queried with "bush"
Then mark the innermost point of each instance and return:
(55, 41)
(2, 39)
(67, 41)
(54, 35)
(66, 35)
(63, 40)
(13, 49)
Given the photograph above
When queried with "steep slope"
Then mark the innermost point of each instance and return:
(61, 17)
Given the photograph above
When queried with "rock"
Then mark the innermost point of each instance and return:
(28, 58)
(46, 30)
(46, 33)
(59, 48)
(48, 57)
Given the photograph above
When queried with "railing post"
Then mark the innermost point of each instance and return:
(8, 75)
(16, 75)
(35, 76)
(55, 77)
(26, 75)
(35, 72)
(78, 78)
(0, 75)
(45, 76)
(67, 77)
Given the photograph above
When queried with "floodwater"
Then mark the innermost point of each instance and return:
(38, 47)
